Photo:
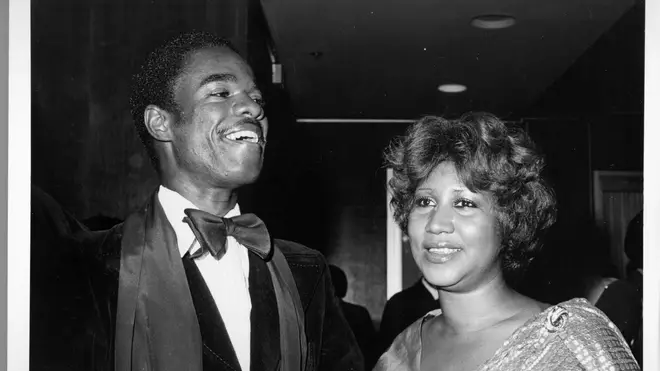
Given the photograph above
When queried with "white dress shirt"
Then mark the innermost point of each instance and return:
(227, 278)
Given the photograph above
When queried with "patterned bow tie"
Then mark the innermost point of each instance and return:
(212, 231)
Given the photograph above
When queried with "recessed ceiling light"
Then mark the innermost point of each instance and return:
(493, 21)
(452, 88)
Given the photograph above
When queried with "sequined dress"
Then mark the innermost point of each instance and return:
(573, 335)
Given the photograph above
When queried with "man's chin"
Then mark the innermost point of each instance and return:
(237, 179)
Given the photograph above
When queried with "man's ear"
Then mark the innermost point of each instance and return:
(158, 123)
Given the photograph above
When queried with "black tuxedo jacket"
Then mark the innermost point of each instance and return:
(74, 304)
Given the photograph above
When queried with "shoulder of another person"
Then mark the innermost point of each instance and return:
(621, 284)
(410, 294)
(578, 314)
(401, 297)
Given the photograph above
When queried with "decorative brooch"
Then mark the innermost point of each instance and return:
(556, 319)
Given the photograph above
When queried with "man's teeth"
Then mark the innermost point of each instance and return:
(443, 250)
(244, 135)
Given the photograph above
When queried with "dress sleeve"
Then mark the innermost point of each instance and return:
(406, 350)
(571, 336)
(594, 340)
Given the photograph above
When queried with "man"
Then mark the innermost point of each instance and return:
(187, 282)
(404, 308)
(358, 318)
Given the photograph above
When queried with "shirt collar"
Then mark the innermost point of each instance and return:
(173, 205)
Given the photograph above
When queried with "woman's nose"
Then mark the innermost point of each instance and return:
(441, 220)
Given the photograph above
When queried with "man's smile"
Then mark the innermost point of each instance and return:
(243, 135)
(245, 132)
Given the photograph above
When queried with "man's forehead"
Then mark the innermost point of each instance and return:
(217, 60)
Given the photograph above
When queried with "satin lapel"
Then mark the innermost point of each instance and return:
(264, 319)
(214, 333)
(156, 325)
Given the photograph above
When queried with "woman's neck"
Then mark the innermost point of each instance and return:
(484, 307)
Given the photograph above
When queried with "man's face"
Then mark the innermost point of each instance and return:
(220, 138)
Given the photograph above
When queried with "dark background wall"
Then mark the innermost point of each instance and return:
(590, 119)
(323, 184)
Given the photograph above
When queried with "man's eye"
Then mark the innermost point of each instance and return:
(462, 203)
(221, 94)
(260, 101)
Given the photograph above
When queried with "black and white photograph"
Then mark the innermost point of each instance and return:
(299, 185)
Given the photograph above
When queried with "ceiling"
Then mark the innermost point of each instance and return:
(384, 59)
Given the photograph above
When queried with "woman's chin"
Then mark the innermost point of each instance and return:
(444, 279)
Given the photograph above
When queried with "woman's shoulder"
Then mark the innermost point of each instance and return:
(572, 334)
(579, 315)
(580, 321)
(405, 352)
(412, 335)
(588, 333)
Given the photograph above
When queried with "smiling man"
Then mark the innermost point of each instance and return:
(188, 282)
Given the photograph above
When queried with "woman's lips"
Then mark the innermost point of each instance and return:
(441, 252)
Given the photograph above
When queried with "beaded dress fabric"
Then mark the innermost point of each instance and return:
(573, 335)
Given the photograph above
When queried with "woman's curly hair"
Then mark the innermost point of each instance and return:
(490, 158)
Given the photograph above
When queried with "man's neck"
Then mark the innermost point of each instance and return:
(216, 201)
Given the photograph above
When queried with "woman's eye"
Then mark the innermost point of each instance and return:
(463, 203)
(423, 202)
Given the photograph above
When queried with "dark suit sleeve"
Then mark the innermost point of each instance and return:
(66, 331)
(391, 323)
(367, 339)
(339, 349)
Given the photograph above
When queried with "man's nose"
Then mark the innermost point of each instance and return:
(441, 220)
(244, 105)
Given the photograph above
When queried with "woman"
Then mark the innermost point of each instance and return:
(470, 196)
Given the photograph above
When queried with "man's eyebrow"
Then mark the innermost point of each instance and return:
(218, 77)
(253, 88)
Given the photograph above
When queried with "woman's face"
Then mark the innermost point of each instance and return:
(453, 233)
